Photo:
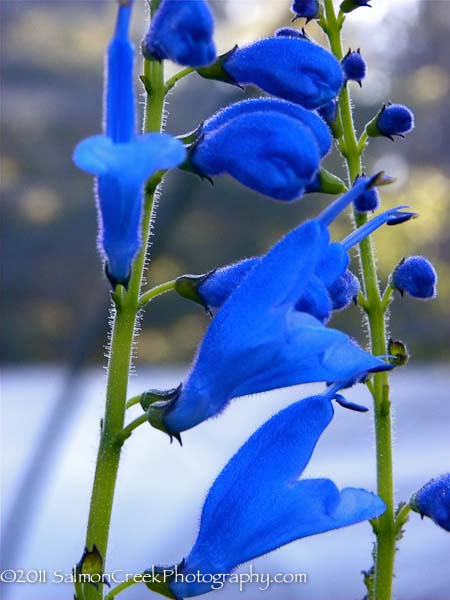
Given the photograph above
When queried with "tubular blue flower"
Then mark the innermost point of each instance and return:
(433, 500)
(258, 341)
(181, 31)
(354, 67)
(416, 276)
(270, 152)
(331, 288)
(259, 503)
(308, 9)
(393, 119)
(122, 160)
(308, 118)
(368, 201)
(287, 67)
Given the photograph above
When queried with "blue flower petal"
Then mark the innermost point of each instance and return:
(258, 504)
(290, 68)
(307, 117)
(270, 152)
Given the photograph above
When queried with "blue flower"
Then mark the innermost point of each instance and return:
(122, 160)
(368, 201)
(393, 119)
(354, 67)
(333, 287)
(258, 341)
(433, 500)
(268, 151)
(182, 31)
(308, 118)
(287, 67)
(309, 9)
(416, 276)
(259, 503)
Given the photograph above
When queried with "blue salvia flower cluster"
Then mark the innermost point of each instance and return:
(269, 333)
(122, 160)
(182, 31)
(258, 503)
(433, 501)
(270, 313)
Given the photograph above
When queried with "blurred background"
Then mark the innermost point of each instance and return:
(55, 298)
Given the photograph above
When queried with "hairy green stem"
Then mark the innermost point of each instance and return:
(172, 81)
(376, 313)
(127, 308)
(158, 290)
(128, 430)
(122, 586)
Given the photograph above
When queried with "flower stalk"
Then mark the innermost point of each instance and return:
(127, 306)
(376, 309)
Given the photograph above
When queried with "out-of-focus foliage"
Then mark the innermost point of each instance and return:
(52, 65)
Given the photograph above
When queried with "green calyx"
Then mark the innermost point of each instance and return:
(398, 353)
(156, 404)
(217, 70)
(330, 183)
(188, 286)
(158, 579)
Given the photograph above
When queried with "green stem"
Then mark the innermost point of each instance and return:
(121, 587)
(172, 81)
(121, 352)
(133, 401)
(352, 151)
(128, 430)
(158, 290)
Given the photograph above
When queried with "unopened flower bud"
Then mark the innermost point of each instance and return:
(416, 276)
(307, 9)
(393, 119)
(354, 66)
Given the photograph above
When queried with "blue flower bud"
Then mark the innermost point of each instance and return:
(306, 117)
(354, 66)
(182, 31)
(259, 502)
(292, 32)
(393, 119)
(433, 501)
(416, 276)
(308, 9)
(344, 290)
(368, 201)
(269, 152)
(287, 67)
